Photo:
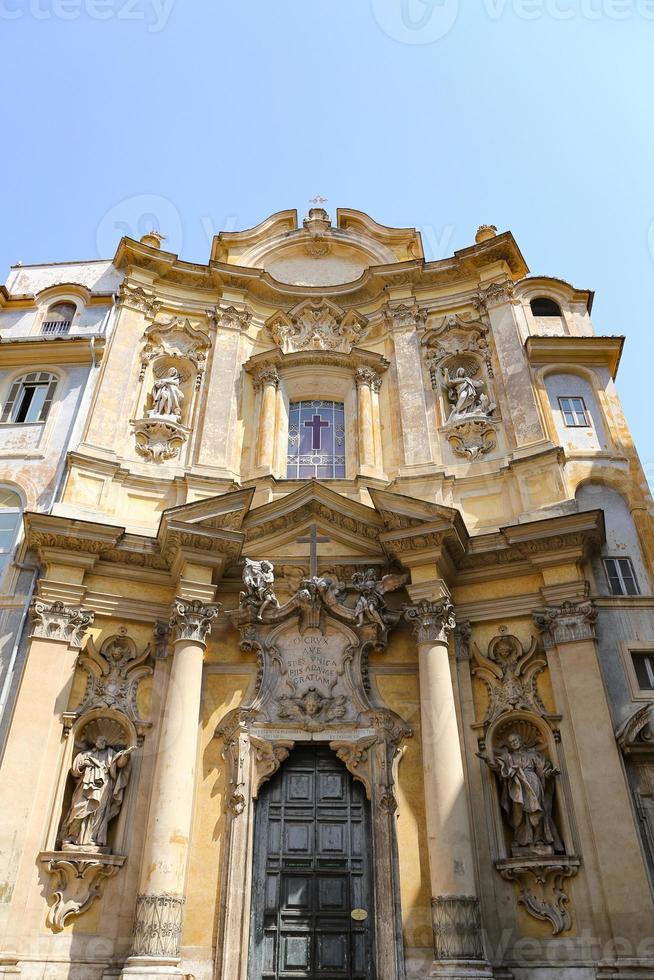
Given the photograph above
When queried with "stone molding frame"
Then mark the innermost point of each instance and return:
(258, 737)
(179, 344)
(510, 672)
(108, 708)
(463, 342)
(353, 379)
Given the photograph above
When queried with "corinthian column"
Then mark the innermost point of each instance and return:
(458, 945)
(367, 381)
(268, 381)
(159, 908)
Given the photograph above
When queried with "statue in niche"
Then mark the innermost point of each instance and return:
(259, 579)
(101, 774)
(371, 605)
(167, 396)
(466, 395)
(527, 780)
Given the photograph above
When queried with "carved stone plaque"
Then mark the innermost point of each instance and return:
(311, 683)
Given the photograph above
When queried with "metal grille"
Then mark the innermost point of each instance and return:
(316, 440)
(55, 326)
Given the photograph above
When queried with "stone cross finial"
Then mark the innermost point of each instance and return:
(313, 540)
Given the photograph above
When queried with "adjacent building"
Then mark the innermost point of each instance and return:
(340, 661)
(53, 327)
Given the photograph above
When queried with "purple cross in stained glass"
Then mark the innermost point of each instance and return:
(316, 425)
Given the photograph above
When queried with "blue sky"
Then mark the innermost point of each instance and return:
(534, 115)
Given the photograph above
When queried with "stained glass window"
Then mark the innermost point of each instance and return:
(316, 441)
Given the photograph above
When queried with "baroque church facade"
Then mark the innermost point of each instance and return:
(332, 650)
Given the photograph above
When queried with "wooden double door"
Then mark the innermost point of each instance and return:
(312, 916)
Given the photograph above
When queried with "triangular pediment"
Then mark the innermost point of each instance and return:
(398, 511)
(226, 511)
(272, 531)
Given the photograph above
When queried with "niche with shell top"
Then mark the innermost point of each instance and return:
(517, 796)
(119, 733)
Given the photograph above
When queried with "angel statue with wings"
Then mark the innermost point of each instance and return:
(371, 606)
(259, 578)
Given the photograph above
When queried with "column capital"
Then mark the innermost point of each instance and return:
(266, 377)
(405, 315)
(571, 622)
(192, 619)
(432, 621)
(366, 376)
(55, 621)
(495, 294)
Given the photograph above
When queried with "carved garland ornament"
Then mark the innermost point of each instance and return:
(510, 675)
(114, 673)
(317, 325)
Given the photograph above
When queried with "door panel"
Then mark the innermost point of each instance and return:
(314, 872)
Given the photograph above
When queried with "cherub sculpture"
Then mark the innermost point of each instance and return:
(312, 705)
(259, 578)
(371, 606)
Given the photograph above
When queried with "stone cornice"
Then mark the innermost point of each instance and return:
(557, 540)
(276, 358)
(206, 531)
(596, 351)
(371, 286)
(78, 349)
(353, 522)
(416, 527)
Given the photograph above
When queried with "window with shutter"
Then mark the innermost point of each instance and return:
(30, 398)
(10, 511)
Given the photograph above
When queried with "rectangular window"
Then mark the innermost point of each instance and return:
(574, 412)
(620, 573)
(30, 398)
(316, 441)
(644, 668)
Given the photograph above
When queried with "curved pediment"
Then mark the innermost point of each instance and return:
(317, 254)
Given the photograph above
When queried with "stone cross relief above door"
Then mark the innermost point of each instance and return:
(312, 690)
